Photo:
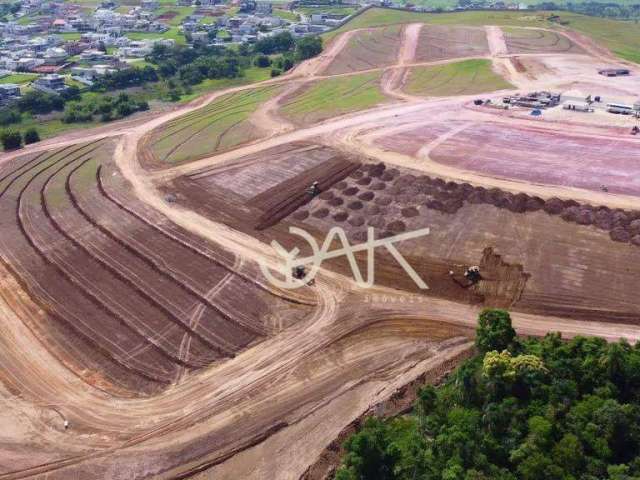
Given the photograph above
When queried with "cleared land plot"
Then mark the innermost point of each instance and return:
(266, 188)
(461, 78)
(410, 141)
(520, 40)
(544, 157)
(332, 97)
(130, 300)
(441, 42)
(554, 257)
(219, 126)
(368, 49)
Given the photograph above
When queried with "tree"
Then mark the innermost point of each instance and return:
(308, 47)
(262, 61)
(9, 116)
(11, 139)
(494, 331)
(31, 136)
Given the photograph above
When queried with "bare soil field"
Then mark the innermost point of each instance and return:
(521, 40)
(440, 42)
(552, 257)
(544, 156)
(159, 301)
(367, 49)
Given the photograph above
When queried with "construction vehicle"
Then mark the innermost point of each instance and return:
(299, 272)
(313, 189)
(473, 274)
(470, 277)
(478, 101)
(635, 130)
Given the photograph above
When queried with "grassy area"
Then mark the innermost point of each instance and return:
(251, 75)
(621, 37)
(460, 78)
(69, 36)
(219, 126)
(286, 15)
(19, 78)
(173, 33)
(181, 12)
(379, 17)
(327, 9)
(335, 96)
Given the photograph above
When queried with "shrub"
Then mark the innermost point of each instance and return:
(11, 139)
(31, 136)
(262, 61)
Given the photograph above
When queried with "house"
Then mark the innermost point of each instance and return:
(55, 56)
(9, 93)
(264, 8)
(150, 4)
(50, 84)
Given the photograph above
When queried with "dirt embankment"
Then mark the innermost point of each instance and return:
(400, 402)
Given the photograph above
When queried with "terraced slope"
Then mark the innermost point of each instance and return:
(219, 126)
(368, 49)
(332, 97)
(125, 294)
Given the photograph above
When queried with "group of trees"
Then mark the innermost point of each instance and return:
(12, 139)
(522, 409)
(106, 107)
(129, 77)
(181, 67)
(595, 9)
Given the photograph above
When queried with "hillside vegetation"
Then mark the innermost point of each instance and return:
(523, 409)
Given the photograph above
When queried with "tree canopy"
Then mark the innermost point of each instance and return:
(538, 409)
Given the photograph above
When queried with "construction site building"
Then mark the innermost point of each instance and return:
(534, 100)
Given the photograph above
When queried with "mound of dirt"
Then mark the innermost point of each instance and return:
(341, 185)
(554, 206)
(366, 196)
(356, 221)
(328, 195)
(356, 174)
(356, 205)
(364, 181)
(619, 234)
(336, 202)
(320, 213)
(383, 201)
(377, 186)
(409, 212)
(341, 216)
(351, 191)
(301, 215)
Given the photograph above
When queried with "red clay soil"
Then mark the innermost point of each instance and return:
(412, 140)
(440, 42)
(541, 156)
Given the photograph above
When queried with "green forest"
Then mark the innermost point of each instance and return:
(525, 409)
